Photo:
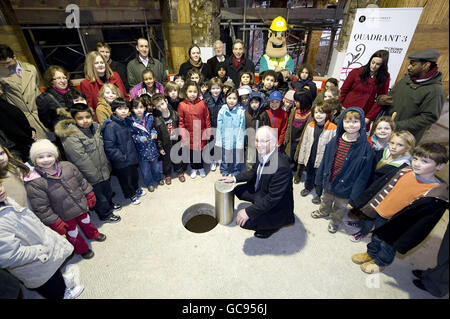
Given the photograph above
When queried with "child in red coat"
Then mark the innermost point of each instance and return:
(277, 116)
(195, 126)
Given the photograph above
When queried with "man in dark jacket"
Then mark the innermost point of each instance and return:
(268, 187)
(418, 98)
(218, 57)
(237, 62)
(15, 126)
(104, 49)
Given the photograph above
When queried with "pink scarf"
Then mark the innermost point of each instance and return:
(62, 92)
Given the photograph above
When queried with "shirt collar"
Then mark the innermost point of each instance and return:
(17, 70)
(266, 157)
(145, 61)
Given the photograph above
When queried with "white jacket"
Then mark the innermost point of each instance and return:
(29, 250)
(329, 131)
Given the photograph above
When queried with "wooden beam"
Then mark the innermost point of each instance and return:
(268, 14)
(87, 4)
(93, 15)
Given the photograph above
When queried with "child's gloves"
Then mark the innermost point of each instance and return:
(142, 139)
(59, 226)
(91, 200)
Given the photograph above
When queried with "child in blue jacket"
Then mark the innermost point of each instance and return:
(145, 138)
(120, 150)
(345, 169)
(230, 134)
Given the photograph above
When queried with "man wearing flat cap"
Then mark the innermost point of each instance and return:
(418, 98)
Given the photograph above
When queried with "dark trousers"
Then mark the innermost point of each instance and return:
(196, 159)
(247, 192)
(310, 178)
(128, 179)
(167, 163)
(435, 279)
(54, 288)
(103, 193)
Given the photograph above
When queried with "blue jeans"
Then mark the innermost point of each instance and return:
(150, 170)
(232, 161)
(381, 252)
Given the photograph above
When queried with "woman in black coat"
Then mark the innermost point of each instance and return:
(195, 61)
(51, 105)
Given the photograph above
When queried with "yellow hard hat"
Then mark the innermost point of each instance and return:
(278, 24)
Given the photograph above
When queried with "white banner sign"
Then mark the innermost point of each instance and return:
(376, 29)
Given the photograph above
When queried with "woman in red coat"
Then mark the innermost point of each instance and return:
(363, 85)
(195, 126)
(98, 72)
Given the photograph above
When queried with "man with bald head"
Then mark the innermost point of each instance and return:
(268, 187)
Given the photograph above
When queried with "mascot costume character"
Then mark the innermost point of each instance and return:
(276, 57)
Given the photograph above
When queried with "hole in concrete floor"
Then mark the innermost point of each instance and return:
(199, 218)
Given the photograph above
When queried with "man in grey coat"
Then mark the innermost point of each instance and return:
(142, 62)
(418, 98)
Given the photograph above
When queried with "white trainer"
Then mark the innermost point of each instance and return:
(72, 293)
(202, 172)
(194, 173)
(213, 167)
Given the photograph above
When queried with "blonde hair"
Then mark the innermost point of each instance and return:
(89, 70)
(407, 138)
(171, 86)
(352, 114)
(110, 86)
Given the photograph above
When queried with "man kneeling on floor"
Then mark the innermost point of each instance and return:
(268, 187)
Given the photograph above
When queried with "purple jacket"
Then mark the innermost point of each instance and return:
(140, 89)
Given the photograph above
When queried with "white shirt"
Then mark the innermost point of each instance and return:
(261, 165)
(144, 61)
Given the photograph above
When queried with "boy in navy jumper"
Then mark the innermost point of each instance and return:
(345, 168)
(121, 151)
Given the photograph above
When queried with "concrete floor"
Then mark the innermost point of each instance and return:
(149, 254)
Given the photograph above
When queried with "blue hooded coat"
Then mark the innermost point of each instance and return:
(352, 180)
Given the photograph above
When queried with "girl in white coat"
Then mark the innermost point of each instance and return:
(34, 253)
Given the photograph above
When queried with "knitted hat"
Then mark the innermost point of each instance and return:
(42, 146)
(244, 90)
(289, 96)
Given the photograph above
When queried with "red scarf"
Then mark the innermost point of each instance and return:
(430, 74)
(237, 63)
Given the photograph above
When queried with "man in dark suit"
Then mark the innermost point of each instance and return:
(268, 187)
(237, 62)
(217, 58)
